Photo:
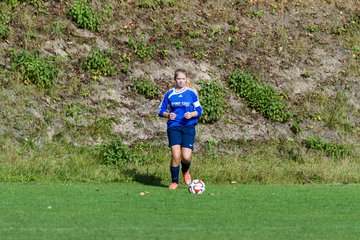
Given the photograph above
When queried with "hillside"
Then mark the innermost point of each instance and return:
(308, 51)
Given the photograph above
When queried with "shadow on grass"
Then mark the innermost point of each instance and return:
(145, 179)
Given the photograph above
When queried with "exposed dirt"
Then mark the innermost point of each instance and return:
(271, 38)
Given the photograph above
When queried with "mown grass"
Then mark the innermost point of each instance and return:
(119, 211)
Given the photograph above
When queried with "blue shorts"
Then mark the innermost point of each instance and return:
(182, 135)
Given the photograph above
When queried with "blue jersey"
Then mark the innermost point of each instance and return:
(179, 103)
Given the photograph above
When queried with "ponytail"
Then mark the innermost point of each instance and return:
(189, 83)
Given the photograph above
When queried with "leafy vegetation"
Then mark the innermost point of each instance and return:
(145, 87)
(212, 98)
(295, 127)
(84, 15)
(36, 3)
(35, 69)
(4, 26)
(153, 4)
(115, 152)
(259, 96)
(99, 63)
(142, 48)
(311, 27)
(50, 133)
(333, 149)
(4, 30)
(57, 29)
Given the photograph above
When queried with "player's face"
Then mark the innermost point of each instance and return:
(180, 80)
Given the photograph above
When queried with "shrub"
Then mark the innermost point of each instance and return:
(34, 69)
(153, 4)
(4, 26)
(255, 13)
(141, 48)
(211, 97)
(259, 96)
(84, 15)
(99, 63)
(338, 30)
(36, 3)
(125, 60)
(4, 30)
(295, 127)
(57, 29)
(114, 152)
(145, 87)
(332, 149)
(311, 27)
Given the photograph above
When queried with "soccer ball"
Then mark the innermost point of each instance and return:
(197, 187)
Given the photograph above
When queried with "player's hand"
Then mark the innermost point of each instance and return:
(188, 115)
(172, 116)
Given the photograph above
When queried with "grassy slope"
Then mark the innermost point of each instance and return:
(117, 211)
(307, 50)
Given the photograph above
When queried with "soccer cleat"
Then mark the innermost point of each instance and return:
(187, 177)
(173, 186)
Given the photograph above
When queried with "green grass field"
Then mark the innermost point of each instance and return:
(118, 211)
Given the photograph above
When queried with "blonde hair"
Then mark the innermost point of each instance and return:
(188, 82)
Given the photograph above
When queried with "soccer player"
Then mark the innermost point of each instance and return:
(182, 108)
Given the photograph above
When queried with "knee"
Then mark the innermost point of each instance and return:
(186, 157)
(176, 159)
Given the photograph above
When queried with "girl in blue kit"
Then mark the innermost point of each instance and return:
(182, 107)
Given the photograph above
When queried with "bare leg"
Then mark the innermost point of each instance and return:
(186, 155)
(175, 155)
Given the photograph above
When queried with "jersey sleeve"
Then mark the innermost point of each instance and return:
(163, 106)
(197, 105)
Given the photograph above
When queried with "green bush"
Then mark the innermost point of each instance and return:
(145, 87)
(99, 63)
(332, 149)
(84, 15)
(338, 30)
(34, 69)
(57, 29)
(141, 48)
(295, 127)
(115, 152)
(5, 18)
(259, 96)
(153, 4)
(36, 3)
(4, 30)
(211, 97)
(311, 27)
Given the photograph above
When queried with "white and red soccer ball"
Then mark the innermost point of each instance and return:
(197, 187)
